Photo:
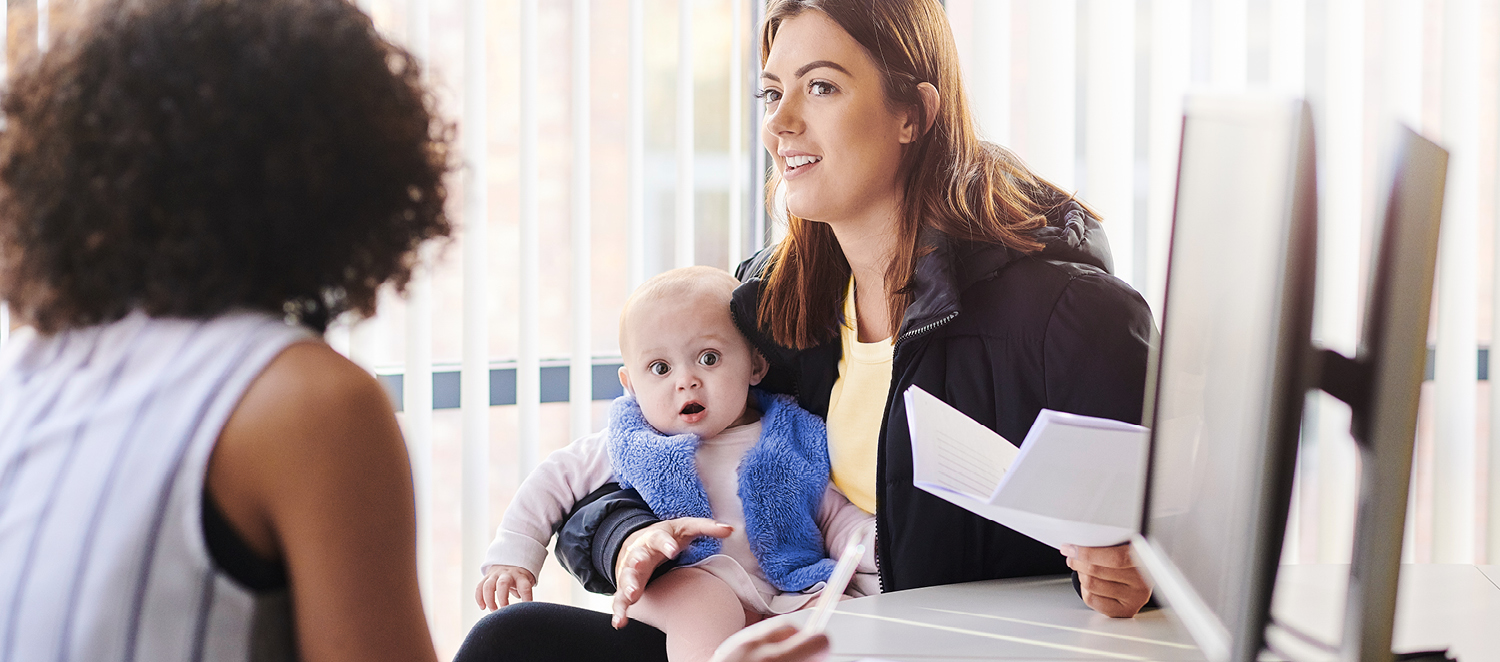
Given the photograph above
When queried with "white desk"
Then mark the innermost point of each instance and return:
(1456, 607)
(1440, 606)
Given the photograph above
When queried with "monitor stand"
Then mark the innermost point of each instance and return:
(1380, 518)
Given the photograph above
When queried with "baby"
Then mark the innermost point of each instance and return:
(696, 440)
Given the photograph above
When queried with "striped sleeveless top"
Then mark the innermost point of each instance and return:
(105, 436)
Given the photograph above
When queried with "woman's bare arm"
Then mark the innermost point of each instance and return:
(311, 469)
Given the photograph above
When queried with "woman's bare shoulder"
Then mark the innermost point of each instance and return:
(310, 379)
(312, 420)
(312, 410)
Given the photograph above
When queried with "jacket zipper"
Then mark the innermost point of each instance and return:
(879, 519)
(928, 326)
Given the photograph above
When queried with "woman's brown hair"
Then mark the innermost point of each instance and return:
(188, 158)
(953, 182)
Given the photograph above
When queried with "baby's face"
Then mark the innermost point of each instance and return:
(689, 367)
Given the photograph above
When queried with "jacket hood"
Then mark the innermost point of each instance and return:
(952, 265)
(1074, 235)
(1071, 235)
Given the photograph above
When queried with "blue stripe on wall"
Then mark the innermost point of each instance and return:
(445, 385)
(446, 391)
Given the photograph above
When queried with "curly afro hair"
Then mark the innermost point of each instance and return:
(187, 157)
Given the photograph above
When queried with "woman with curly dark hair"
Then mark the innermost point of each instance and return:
(189, 191)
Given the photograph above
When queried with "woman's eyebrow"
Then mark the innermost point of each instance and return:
(802, 70)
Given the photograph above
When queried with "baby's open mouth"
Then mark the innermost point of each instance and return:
(691, 408)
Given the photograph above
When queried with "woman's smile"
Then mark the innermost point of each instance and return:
(798, 163)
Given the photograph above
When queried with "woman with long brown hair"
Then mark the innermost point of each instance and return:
(916, 255)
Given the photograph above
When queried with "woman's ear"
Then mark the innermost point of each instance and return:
(625, 381)
(931, 104)
(758, 367)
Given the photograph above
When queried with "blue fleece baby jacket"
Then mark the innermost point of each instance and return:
(782, 479)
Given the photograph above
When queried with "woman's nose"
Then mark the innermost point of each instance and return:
(786, 118)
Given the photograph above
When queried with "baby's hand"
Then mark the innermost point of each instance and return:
(500, 583)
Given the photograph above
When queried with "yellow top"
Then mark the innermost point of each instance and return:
(856, 409)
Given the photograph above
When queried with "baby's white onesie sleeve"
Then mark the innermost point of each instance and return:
(840, 521)
(544, 499)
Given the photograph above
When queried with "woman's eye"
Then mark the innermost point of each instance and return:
(709, 358)
(658, 368)
(821, 88)
(768, 96)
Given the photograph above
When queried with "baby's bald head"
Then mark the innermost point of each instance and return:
(707, 285)
(684, 360)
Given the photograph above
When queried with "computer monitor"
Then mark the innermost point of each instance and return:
(1382, 385)
(1235, 362)
(1232, 368)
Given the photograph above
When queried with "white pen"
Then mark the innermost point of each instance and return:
(833, 591)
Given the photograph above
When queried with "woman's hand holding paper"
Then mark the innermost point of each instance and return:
(1110, 582)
